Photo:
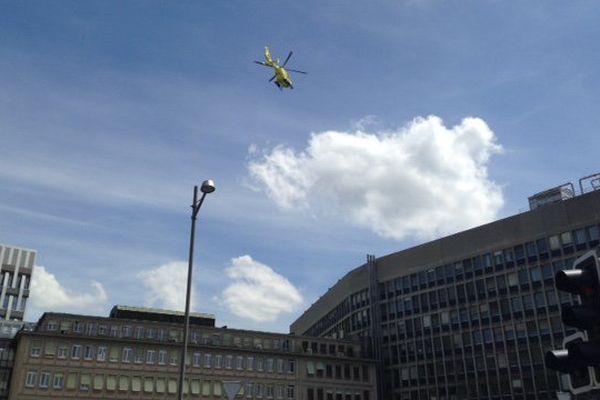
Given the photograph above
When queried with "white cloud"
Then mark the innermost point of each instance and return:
(424, 180)
(257, 292)
(166, 286)
(47, 294)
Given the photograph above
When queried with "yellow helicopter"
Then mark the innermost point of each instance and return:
(282, 76)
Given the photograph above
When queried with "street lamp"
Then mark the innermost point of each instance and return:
(208, 186)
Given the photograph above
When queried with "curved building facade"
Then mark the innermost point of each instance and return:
(468, 316)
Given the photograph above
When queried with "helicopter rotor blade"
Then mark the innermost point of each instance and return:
(262, 63)
(273, 77)
(287, 59)
(295, 70)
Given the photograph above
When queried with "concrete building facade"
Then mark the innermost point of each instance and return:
(468, 316)
(16, 268)
(135, 353)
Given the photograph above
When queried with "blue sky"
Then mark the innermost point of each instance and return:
(417, 119)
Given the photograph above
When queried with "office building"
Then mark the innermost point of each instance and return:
(15, 276)
(471, 315)
(16, 268)
(135, 353)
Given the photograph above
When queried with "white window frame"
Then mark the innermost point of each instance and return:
(150, 356)
(207, 360)
(76, 352)
(101, 353)
(31, 379)
(88, 352)
(126, 354)
(45, 378)
(59, 381)
(162, 357)
(62, 352)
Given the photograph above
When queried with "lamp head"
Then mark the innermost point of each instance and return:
(208, 186)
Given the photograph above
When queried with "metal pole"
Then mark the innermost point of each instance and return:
(195, 208)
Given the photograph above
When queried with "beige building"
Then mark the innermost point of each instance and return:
(135, 354)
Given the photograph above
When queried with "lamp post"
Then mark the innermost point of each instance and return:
(208, 186)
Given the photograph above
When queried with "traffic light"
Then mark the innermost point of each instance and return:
(579, 378)
(580, 355)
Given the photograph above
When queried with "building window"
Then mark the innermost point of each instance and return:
(139, 356)
(88, 352)
(123, 383)
(172, 388)
(76, 352)
(160, 385)
(84, 382)
(45, 379)
(90, 329)
(566, 238)
(36, 348)
(218, 361)
(150, 333)
(162, 357)
(98, 382)
(78, 327)
(174, 357)
(208, 361)
(62, 351)
(150, 356)
(197, 360)
(136, 384)
(126, 355)
(139, 332)
(148, 385)
(71, 381)
(101, 354)
(239, 362)
(593, 233)
(126, 330)
(31, 378)
(59, 381)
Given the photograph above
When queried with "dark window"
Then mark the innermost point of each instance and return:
(487, 260)
(508, 255)
(542, 246)
(439, 274)
(458, 270)
(498, 258)
(527, 302)
(451, 294)
(501, 280)
(580, 237)
(519, 253)
(547, 272)
(523, 277)
(530, 248)
(449, 272)
(593, 233)
(477, 266)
